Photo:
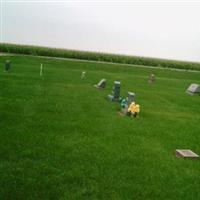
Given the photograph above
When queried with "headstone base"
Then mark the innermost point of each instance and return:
(96, 86)
(111, 98)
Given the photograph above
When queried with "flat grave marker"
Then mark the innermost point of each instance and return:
(186, 153)
(193, 89)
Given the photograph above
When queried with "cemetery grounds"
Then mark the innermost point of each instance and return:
(61, 139)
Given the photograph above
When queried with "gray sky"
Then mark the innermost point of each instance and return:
(164, 29)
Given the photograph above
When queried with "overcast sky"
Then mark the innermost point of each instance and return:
(164, 29)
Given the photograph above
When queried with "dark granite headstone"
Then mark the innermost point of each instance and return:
(7, 65)
(115, 96)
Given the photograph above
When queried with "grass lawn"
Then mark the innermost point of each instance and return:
(61, 139)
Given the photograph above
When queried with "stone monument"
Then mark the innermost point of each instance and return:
(101, 84)
(130, 97)
(115, 96)
(152, 78)
(7, 65)
(83, 74)
(193, 89)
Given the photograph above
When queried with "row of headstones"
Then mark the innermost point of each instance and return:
(192, 89)
(115, 94)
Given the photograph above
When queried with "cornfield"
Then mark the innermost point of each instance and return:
(96, 56)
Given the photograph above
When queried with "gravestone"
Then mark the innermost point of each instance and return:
(193, 89)
(131, 97)
(152, 78)
(115, 96)
(83, 75)
(7, 65)
(186, 153)
(101, 84)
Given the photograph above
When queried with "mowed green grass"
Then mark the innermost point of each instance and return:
(61, 139)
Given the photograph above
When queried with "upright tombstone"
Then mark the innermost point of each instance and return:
(152, 78)
(193, 89)
(101, 84)
(130, 97)
(115, 96)
(83, 75)
(7, 65)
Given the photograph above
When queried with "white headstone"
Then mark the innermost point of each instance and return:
(83, 75)
(101, 84)
(193, 89)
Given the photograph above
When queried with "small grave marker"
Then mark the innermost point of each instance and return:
(152, 78)
(83, 75)
(193, 89)
(131, 97)
(101, 84)
(186, 153)
(7, 65)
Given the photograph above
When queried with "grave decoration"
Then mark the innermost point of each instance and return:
(133, 109)
(125, 103)
(129, 107)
